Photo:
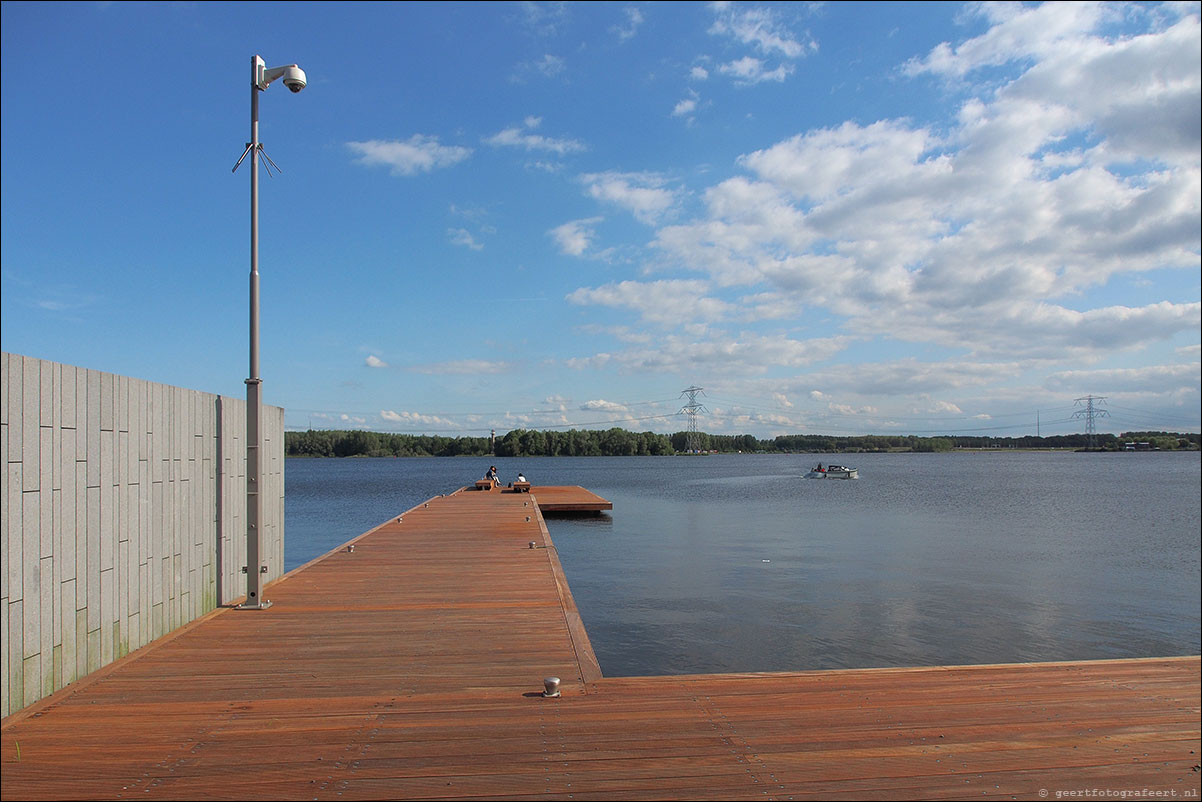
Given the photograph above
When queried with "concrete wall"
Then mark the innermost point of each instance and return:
(123, 516)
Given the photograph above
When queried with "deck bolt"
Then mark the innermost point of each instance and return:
(350, 547)
(527, 519)
(531, 544)
(551, 687)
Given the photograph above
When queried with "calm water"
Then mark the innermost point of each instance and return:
(733, 563)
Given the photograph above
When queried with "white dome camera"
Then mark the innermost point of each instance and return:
(294, 78)
(262, 76)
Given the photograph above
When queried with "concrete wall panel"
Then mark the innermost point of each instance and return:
(124, 516)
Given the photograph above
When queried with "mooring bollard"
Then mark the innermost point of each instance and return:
(551, 687)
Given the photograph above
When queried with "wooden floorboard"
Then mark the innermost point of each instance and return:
(412, 668)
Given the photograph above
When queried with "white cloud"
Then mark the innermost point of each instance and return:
(523, 138)
(418, 154)
(977, 237)
(1153, 378)
(1122, 88)
(374, 361)
(1017, 32)
(601, 405)
(758, 27)
(543, 18)
(634, 18)
(672, 301)
(905, 377)
(550, 66)
(645, 195)
(699, 73)
(749, 70)
(461, 236)
(416, 420)
(575, 237)
(546, 66)
(743, 354)
(685, 106)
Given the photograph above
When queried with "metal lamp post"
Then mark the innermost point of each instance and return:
(261, 78)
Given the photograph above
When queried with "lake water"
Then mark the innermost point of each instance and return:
(734, 563)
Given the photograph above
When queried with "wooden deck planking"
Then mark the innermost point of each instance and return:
(410, 668)
(569, 499)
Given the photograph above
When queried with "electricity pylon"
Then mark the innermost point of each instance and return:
(1089, 413)
(693, 440)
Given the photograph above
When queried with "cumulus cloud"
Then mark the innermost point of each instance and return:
(673, 302)
(645, 195)
(418, 154)
(685, 106)
(416, 420)
(374, 361)
(1016, 32)
(1121, 87)
(1007, 239)
(576, 236)
(601, 405)
(973, 236)
(749, 70)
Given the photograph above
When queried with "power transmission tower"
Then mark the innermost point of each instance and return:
(693, 440)
(1090, 413)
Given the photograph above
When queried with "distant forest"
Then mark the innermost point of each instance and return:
(622, 443)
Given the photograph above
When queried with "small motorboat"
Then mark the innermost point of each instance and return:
(833, 472)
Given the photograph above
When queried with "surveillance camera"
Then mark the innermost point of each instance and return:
(294, 78)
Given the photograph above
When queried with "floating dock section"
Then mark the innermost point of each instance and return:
(410, 664)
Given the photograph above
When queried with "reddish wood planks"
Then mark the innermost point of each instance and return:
(411, 668)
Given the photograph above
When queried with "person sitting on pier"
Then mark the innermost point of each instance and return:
(492, 475)
(521, 477)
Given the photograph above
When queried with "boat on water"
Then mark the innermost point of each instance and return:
(833, 472)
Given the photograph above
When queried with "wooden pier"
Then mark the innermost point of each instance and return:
(412, 667)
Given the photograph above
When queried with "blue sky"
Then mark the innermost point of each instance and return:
(835, 218)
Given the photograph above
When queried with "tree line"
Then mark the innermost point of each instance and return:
(617, 442)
